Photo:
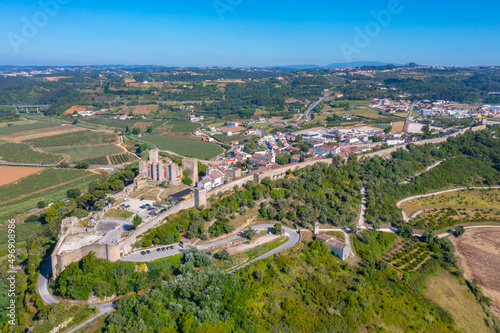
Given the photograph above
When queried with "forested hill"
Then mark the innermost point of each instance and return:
(472, 159)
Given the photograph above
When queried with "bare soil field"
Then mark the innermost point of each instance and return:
(55, 78)
(75, 108)
(145, 109)
(478, 255)
(397, 127)
(9, 174)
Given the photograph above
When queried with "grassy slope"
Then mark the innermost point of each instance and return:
(453, 296)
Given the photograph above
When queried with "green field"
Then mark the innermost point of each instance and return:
(23, 153)
(121, 214)
(198, 149)
(86, 153)
(183, 126)
(86, 137)
(6, 130)
(49, 185)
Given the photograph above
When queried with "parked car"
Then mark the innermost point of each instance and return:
(148, 252)
(163, 248)
(158, 250)
(143, 253)
(171, 247)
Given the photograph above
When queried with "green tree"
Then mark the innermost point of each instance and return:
(250, 233)
(82, 165)
(41, 204)
(73, 193)
(459, 230)
(278, 228)
(137, 221)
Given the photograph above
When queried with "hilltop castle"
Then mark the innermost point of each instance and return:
(159, 170)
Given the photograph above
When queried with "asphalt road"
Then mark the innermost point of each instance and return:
(308, 112)
(43, 283)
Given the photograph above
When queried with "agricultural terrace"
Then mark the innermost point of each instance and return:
(484, 199)
(49, 185)
(407, 255)
(86, 153)
(86, 137)
(197, 149)
(9, 174)
(439, 218)
(24, 153)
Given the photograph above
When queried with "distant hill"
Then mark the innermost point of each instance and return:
(337, 65)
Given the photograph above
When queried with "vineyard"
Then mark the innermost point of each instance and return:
(24, 153)
(122, 158)
(90, 153)
(197, 149)
(408, 255)
(86, 138)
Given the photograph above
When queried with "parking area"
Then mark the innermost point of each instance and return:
(154, 253)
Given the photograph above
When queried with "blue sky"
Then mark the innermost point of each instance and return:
(248, 32)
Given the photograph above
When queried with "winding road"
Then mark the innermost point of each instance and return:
(311, 108)
(43, 282)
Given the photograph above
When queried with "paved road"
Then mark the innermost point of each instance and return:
(311, 108)
(43, 283)
(407, 218)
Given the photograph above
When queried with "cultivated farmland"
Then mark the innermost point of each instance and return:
(23, 153)
(49, 185)
(182, 126)
(198, 149)
(86, 137)
(122, 158)
(15, 128)
(81, 153)
(477, 256)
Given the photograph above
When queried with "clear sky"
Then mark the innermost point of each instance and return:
(248, 32)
